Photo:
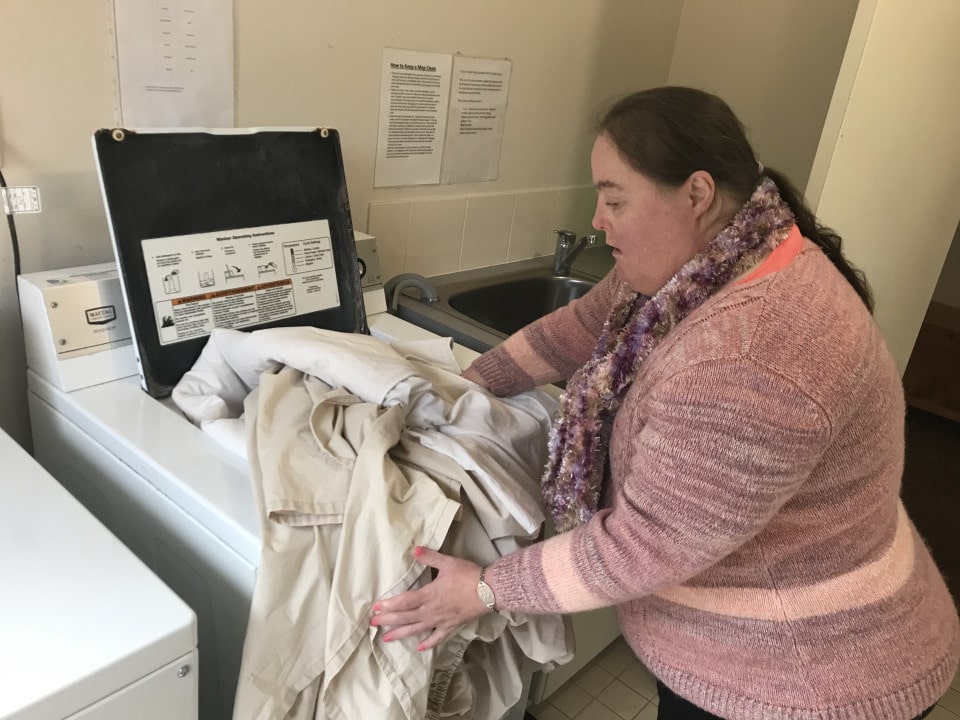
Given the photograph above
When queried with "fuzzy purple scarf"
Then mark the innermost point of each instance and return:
(580, 437)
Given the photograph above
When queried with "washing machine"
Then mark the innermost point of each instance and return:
(87, 631)
(177, 498)
(181, 501)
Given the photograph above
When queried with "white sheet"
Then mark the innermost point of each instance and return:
(486, 435)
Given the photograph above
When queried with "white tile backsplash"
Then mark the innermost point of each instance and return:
(431, 236)
(389, 223)
(436, 236)
(575, 209)
(532, 234)
(486, 230)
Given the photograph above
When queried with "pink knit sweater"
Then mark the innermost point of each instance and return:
(751, 534)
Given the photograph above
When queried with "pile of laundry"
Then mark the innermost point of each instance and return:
(360, 450)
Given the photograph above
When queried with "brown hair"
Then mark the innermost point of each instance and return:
(667, 133)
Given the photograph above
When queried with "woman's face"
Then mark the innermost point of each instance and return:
(653, 230)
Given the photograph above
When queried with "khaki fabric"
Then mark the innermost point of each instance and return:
(338, 509)
(347, 488)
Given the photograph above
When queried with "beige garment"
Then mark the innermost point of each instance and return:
(347, 493)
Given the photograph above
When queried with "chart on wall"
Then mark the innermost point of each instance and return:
(173, 62)
(238, 278)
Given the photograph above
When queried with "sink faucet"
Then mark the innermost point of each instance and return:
(568, 247)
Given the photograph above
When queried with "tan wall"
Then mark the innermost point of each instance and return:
(888, 168)
(564, 64)
(774, 61)
(303, 63)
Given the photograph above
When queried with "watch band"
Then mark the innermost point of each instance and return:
(485, 592)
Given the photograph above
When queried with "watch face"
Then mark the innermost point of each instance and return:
(485, 594)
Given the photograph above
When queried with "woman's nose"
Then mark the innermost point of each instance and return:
(597, 220)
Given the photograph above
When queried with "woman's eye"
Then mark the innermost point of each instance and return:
(611, 204)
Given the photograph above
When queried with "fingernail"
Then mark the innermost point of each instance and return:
(377, 608)
(420, 647)
(418, 551)
(374, 622)
(387, 638)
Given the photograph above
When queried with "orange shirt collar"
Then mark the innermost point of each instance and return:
(781, 256)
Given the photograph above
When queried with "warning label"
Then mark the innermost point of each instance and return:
(239, 278)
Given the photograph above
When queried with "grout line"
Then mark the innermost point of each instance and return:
(513, 220)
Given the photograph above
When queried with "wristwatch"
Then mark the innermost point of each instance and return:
(485, 592)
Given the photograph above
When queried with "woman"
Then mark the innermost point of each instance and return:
(728, 453)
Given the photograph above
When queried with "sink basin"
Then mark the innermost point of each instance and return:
(508, 305)
(480, 312)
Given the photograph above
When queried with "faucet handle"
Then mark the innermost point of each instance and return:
(565, 237)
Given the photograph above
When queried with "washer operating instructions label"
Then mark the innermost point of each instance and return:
(238, 278)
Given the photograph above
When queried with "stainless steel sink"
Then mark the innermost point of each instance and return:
(508, 305)
(479, 312)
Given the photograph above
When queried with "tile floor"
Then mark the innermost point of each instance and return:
(616, 686)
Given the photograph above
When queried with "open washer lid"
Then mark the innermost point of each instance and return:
(224, 228)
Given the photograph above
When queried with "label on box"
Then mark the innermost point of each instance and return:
(20, 199)
(85, 310)
(238, 278)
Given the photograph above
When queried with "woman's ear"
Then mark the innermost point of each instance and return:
(702, 191)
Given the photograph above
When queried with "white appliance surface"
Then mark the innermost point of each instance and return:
(152, 437)
(85, 627)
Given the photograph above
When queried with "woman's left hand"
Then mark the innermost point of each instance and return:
(437, 609)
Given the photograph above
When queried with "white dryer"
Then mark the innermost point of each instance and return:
(86, 630)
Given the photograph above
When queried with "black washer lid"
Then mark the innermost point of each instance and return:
(243, 229)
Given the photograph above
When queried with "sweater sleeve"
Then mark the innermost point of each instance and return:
(553, 347)
(704, 460)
